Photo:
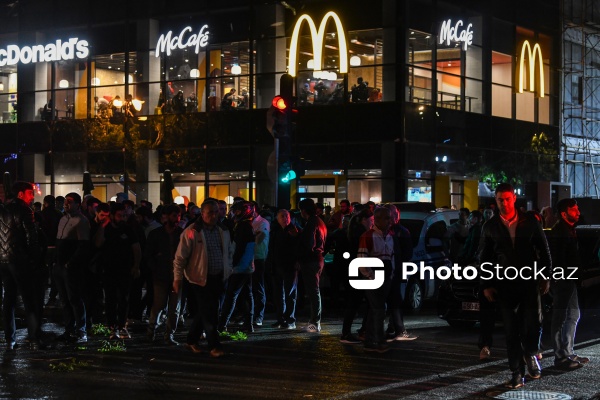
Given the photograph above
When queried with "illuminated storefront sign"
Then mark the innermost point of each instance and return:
(167, 43)
(57, 51)
(533, 55)
(318, 38)
(449, 33)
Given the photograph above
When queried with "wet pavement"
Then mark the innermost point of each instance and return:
(443, 363)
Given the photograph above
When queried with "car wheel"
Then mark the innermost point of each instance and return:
(414, 295)
(461, 324)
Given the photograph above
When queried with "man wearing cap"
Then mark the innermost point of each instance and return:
(565, 304)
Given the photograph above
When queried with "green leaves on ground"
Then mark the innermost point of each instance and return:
(112, 347)
(67, 366)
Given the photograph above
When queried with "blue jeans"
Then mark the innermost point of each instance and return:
(376, 313)
(565, 315)
(164, 296)
(285, 283)
(258, 290)
(235, 284)
(70, 283)
(311, 275)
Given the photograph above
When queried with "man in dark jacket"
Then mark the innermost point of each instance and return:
(72, 257)
(514, 241)
(160, 251)
(19, 253)
(565, 304)
(282, 255)
(311, 246)
(243, 266)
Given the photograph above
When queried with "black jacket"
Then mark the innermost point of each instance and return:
(564, 247)
(282, 247)
(18, 235)
(496, 247)
(311, 241)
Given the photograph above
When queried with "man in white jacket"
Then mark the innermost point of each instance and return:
(204, 256)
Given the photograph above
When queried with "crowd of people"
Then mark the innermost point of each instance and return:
(222, 267)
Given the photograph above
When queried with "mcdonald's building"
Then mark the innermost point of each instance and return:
(420, 100)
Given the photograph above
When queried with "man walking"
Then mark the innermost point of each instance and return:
(565, 304)
(378, 242)
(19, 256)
(204, 256)
(72, 255)
(513, 239)
(311, 248)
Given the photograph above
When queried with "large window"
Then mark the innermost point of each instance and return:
(365, 76)
(447, 71)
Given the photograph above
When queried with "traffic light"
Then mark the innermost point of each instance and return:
(286, 173)
(277, 119)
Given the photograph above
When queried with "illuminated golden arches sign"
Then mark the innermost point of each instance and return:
(533, 55)
(318, 38)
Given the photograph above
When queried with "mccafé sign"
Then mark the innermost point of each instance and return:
(167, 43)
(450, 33)
(318, 38)
(532, 54)
(57, 51)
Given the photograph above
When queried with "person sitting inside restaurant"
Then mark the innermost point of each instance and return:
(228, 100)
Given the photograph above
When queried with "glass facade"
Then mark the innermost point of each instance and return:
(175, 85)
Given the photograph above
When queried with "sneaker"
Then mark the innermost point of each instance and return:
(258, 323)
(566, 364)
(538, 356)
(124, 333)
(579, 359)
(194, 348)
(534, 370)
(312, 328)
(291, 325)
(403, 336)
(350, 339)
(485, 353)
(81, 338)
(12, 346)
(217, 352)
(516, 381)
(377, 347)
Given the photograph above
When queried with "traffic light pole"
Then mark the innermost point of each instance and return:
(283, 142)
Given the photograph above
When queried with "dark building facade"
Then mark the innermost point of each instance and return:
(437, 97)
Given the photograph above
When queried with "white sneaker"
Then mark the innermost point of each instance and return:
(405, 336)
(312, 328)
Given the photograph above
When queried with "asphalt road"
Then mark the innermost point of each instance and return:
(443, 363)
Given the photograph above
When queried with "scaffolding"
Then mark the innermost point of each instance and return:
(580, 100)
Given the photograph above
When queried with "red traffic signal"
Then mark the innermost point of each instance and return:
(279, 103)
